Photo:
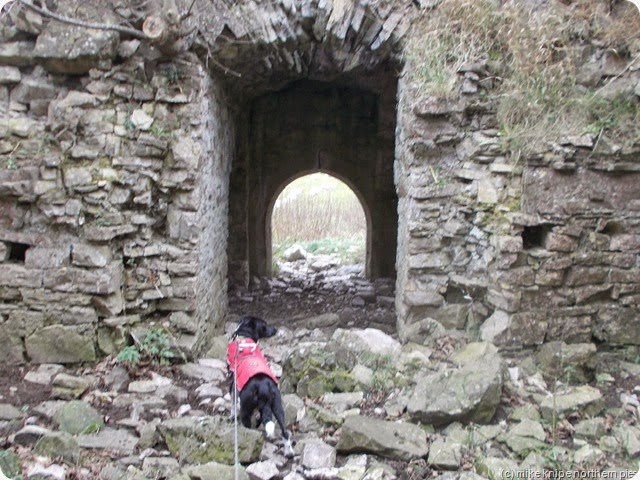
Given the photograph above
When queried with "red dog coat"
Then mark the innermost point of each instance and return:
(245, 355)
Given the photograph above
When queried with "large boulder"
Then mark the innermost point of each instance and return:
(61, 344)
(469, 393)
(396, 440)
(78, 417)
(215, 471)
(574, 363)
(210, 439)
(369, 340)
(313, 369)
(584, 399)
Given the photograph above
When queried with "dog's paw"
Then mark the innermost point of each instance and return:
(288, 449)
(270, 429)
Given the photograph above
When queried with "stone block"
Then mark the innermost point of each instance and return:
(547, 278)
(568, 327)
(510, 330)
(435, 107)
(16, 275)
(106, 233)
(618, 325)
(90, 256)
(24, 322)
(508, 243)
(186, 152)
(384, 438)
(617, 275)
(179, 268)
(17, 54)
(77, 177)
(183, 322)
(74, 50)
(423, 297)
(45, 186)
(60, 344)
(41, 258)
(429, 261)
(519, 277)
(185, 287)
(487, 192)
(625, 242)
(77, 98)
(560, 243)
(504, 299)
(574, 363)
(108, 305)
(177, 305)
(4, 251)
(579, 276)
(101, 281)
(182, 225)
(12, 351)
(33, 89)
(9, 75)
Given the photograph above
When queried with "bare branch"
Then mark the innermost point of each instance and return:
(188, 14)
(79, 23)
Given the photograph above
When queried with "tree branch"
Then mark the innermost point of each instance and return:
(79, 23)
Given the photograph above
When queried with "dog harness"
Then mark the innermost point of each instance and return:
(245, 358)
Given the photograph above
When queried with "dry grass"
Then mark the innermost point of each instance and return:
(533, 53)
(323, 214)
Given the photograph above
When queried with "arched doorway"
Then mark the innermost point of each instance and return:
(309, 126)
(322, 215)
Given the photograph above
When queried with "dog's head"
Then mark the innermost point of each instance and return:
(254, 328)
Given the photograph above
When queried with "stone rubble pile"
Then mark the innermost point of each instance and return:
(315, 283)
(300, 270)
(360, 405)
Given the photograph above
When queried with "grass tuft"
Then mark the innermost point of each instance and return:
(533, 53)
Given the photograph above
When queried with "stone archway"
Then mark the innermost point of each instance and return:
(340, 129)
(269, 217)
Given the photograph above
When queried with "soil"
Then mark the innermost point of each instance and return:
(292, 309)
(16, 391)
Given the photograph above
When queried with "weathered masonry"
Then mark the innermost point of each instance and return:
(137, 178)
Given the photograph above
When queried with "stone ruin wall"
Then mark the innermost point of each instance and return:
(114, 188)
(542, 249)
(113, 201)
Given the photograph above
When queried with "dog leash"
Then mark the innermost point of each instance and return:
(235, 417)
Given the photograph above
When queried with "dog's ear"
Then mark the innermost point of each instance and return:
(263, 330)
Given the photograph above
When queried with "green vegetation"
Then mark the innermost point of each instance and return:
(154, 348)
(531, 55)
(11, 164)
(10, 465)
(323, 215)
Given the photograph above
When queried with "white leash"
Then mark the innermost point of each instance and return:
(235, 419)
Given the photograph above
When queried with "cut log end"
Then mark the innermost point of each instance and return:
(155, 29)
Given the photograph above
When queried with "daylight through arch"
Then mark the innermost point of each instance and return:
(323, 215)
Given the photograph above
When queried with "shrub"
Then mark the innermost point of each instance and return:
(155, 348)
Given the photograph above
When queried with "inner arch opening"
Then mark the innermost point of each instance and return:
(318, 230)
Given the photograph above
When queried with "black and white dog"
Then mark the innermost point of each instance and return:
(255, 382)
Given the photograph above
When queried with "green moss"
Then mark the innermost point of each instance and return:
(10, 464)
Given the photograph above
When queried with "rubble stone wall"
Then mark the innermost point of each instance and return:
(530, 251)
(114, 201)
